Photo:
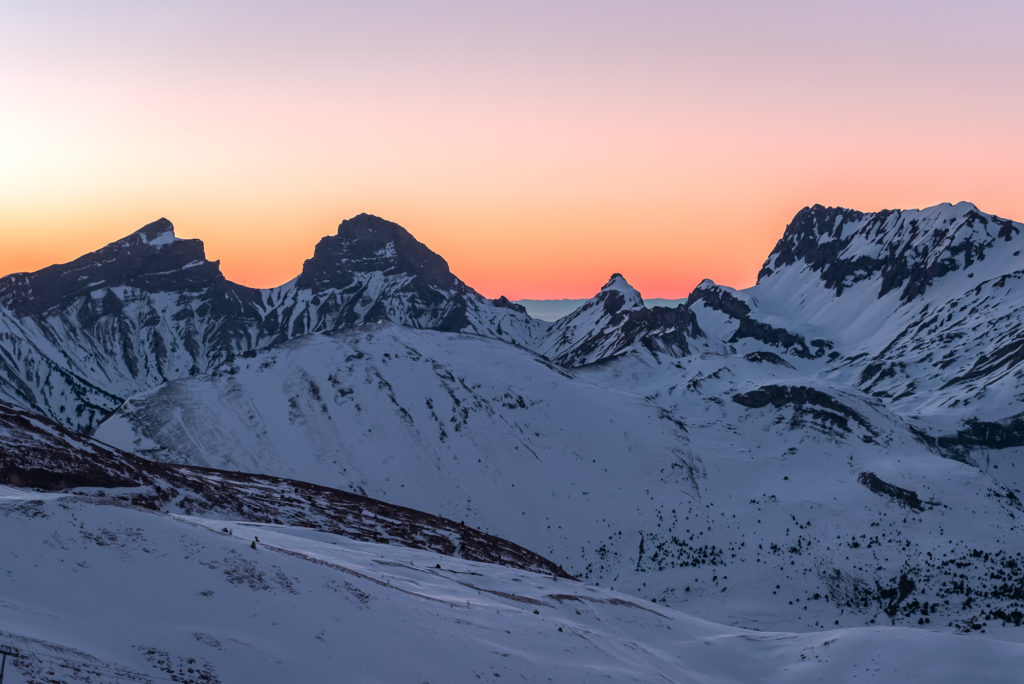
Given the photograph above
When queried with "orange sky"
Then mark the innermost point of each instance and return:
(538, 147)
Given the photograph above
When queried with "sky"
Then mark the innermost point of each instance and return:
(537, 146)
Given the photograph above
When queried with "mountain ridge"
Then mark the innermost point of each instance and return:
(838, 443)
(78, 338)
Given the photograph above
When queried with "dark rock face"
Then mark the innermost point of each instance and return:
(36, 452)
(373, 270)
(150, 259)
(616, 321)
(979, 434)
(612, 302)
(720, 299)
(368, 243)
(814, 236)
(902, 250)
(904, 497)
(505, 303)
(777, 337)
(816, 403)
(673, 326)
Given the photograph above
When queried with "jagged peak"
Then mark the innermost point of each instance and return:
(905, 248)
(504, 302)
(720, 297)
(705, 284)
(900, 227)
(823, 217)
(151, 259)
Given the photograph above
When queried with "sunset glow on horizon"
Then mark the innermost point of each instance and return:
(537, 147)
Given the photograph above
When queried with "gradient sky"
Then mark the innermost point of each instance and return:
(537, 146)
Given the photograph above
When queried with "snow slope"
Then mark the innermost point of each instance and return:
(782, 492)
(466, 427)
(102, 593)
(36, 452)
(138, 577)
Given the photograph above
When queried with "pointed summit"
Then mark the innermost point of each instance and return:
(616, 321)
(618, 293)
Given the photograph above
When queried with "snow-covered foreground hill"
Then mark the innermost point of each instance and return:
(93, 592)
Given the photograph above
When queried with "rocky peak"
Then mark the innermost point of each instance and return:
(504, 302)
(618, 294)
(616, 321)
(715, 296)
(902, 249)
(367, 243)
(150, 259)
(155, 234)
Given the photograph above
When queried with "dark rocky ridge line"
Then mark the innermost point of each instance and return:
(40, 454)
(819, 404)
(904, 497)
(616, 321)
(976, 434)
(150, 259)
(114, 344)
(720, 299)
(815, 236)
(76, 339)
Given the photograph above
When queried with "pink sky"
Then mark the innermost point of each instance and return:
(538, 147)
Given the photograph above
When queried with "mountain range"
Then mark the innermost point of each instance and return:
(834, 448)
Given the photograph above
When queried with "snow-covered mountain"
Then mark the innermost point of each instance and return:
(675, 478)
(553, 309)
(838, 445)
(77, 339)
(616, 321)
(890, 303)
(374, 270)
(920, 309)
